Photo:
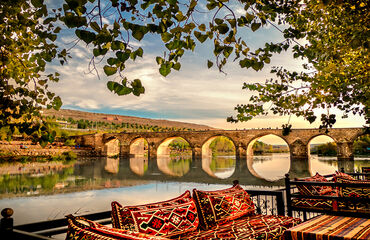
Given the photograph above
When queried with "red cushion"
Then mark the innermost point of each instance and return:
(342, 175)
(248, 227)
(80, 228)
(314, 190)
(168, 218)
(217, 207)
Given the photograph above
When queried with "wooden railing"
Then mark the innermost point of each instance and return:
(306, 212)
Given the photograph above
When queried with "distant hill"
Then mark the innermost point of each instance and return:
(114, 118)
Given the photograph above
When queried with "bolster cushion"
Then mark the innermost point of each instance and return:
(168, 218)
(218, 207)
(311, 190)
(80, 228)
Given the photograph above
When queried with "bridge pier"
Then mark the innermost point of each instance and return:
(124, 150)
(152, 151)
(197, 153)
(298, 151)
(241, 152)
(345, 150)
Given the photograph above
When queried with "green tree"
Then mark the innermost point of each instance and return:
(336, 52)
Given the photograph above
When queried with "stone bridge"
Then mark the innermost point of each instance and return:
(298, 140)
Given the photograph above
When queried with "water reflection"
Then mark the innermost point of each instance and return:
(90, 185)
(221, 167)
(176, 166)
(270, 167)
(139, 164)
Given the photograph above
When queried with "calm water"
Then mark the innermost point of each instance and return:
(39, 192)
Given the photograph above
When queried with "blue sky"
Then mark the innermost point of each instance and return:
(193, 94)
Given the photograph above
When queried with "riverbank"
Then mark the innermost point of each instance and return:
(21, 151)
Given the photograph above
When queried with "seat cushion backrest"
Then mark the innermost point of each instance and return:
(218, 207)
(311, 190)
(167, 218)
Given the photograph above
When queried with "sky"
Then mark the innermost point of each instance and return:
(194, 94)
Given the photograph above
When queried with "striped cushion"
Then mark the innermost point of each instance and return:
(330, 227)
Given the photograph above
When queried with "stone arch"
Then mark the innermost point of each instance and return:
(250, 154)
(139, 146)
(315, 136)
(175, 166)
(112, 147)
(209, 164)
(163, 148)
(205, 146)
(255, 139)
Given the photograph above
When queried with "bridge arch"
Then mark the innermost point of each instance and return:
(112, 147)
(220, 167)
(163, 148)
(275, 160)
(139, 146)
(178, 164)
(206, 144)
(322, 147)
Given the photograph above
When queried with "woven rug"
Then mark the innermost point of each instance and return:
(330, 228)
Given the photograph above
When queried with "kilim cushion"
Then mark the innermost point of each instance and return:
(311, 190)
(247, 227)
(80, 228)
(349, 191)
(342, 176)
(217, 207)
(168, 218)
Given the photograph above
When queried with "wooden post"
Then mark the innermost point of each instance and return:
(288, 197)
(6, 223)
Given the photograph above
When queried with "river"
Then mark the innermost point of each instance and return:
(46, 191)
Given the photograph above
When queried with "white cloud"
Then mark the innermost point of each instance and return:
(193, 94)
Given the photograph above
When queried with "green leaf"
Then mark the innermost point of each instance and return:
(202, 27)
(201, 38)
(159, 60)
(117, 45)
(123, 56)
(166, 37)
(209, 64)
(255, 26)
(176, 66)
(112, 61)
(223, 28)
(111, 85)
(165, 69)
(138, 33)
(108, 70)
(57, 103)
(37, 3)
(139, 52)
(124, 91)
(95, 26)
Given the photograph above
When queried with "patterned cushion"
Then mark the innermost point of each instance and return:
(218, 207)
(311, 190)
(80, 228)
(168, 218)
(348, 191)
(342, 175)
(247, 227)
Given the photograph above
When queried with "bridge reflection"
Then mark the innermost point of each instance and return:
(181, 169)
